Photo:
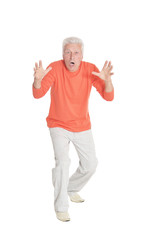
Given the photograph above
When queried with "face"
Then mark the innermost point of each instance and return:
(72, 56)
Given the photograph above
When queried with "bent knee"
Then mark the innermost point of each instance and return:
(94, 165)
(91, 165)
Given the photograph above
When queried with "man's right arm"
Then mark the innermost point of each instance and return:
(43, 80)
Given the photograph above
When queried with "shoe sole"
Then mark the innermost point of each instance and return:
(77, 201)
(67, 220)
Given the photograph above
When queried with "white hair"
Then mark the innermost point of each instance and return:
(72, 40)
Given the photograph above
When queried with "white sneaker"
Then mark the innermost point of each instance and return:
(76, 198)
(63, 216)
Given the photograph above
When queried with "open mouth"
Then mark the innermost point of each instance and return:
(72, 63)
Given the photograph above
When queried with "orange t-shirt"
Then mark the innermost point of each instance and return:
(70, 93)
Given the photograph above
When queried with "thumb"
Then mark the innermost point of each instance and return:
(48, 69)
(95, 73)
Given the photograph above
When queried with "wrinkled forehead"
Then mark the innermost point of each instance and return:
(73, 47)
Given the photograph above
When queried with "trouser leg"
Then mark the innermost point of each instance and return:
(60, 174)
(85, 147)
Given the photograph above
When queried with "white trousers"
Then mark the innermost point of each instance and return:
(63, 185)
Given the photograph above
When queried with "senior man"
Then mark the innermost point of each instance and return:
(71, 80)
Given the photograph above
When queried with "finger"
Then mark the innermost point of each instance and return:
(40, 63)
(36, 65)
(110, 68)
(109, 64)
(111, 73)
(105, 64)
(95, 73)
(34, 69)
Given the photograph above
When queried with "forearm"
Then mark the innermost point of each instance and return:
(37, 84)
(41, 87)
(108, 86)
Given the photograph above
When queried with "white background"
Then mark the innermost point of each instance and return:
(122, 198)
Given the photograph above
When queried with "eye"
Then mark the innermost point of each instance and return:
(76, 52)
(67, 52)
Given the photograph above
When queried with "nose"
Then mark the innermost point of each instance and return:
(71, 55)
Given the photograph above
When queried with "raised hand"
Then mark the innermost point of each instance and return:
(39, 72)
(105, 73)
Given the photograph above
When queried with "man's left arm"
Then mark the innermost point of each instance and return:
(104, 79)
